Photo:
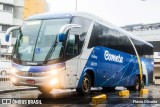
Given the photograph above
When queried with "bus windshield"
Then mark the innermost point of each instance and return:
(36, 38)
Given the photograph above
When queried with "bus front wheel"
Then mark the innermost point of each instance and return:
(86, 86)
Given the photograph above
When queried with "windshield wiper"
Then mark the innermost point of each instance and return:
(52, 49)
(15, 52)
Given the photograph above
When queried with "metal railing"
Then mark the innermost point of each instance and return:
(5, 82)
(141, 27)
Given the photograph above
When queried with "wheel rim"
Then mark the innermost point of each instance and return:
(86, 85)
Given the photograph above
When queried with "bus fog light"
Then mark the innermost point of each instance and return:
(13, 79)
(54, 81)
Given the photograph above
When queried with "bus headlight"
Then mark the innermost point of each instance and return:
(55, 71)
(52, 72)
(14, 70)
(53, 81)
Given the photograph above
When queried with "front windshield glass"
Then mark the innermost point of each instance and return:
(36, 38)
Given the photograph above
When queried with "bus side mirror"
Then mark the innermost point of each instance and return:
(8, 32)
(64, 29)
(61, 37)
(7, 37)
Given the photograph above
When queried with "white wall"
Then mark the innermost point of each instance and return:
(149, 35)
(17, 21)
(7, 1)
(18, 12)
(6, 17)
(156, 54)
(18, 2)
(1, 6)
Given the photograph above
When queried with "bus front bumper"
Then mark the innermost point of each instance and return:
(52, 81)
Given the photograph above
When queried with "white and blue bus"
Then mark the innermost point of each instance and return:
(78, 51)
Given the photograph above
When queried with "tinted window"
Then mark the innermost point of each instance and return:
(7, 7)
(125, 45)
(107, 37)
(103, 36)
(96, 32)
(5, 27)
(144, 50)
(156, 45)
(82, 31)
(72, 45)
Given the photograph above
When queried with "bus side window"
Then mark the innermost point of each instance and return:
(124, 44)
(72, 45)
(103, 36)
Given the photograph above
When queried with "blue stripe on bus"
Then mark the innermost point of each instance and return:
(122, 69)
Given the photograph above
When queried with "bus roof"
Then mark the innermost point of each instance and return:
(49, 16)
(46, 16)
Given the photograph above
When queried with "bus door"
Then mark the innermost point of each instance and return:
(72, 58)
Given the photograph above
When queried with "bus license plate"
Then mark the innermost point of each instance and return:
(30, 81)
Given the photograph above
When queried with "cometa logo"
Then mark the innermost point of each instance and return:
(112, 57)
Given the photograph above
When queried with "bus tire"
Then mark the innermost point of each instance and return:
(138, 86)
(45, 90)
(86, 86)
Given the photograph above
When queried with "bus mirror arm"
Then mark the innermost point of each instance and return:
(9, 30)
(64, 29)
